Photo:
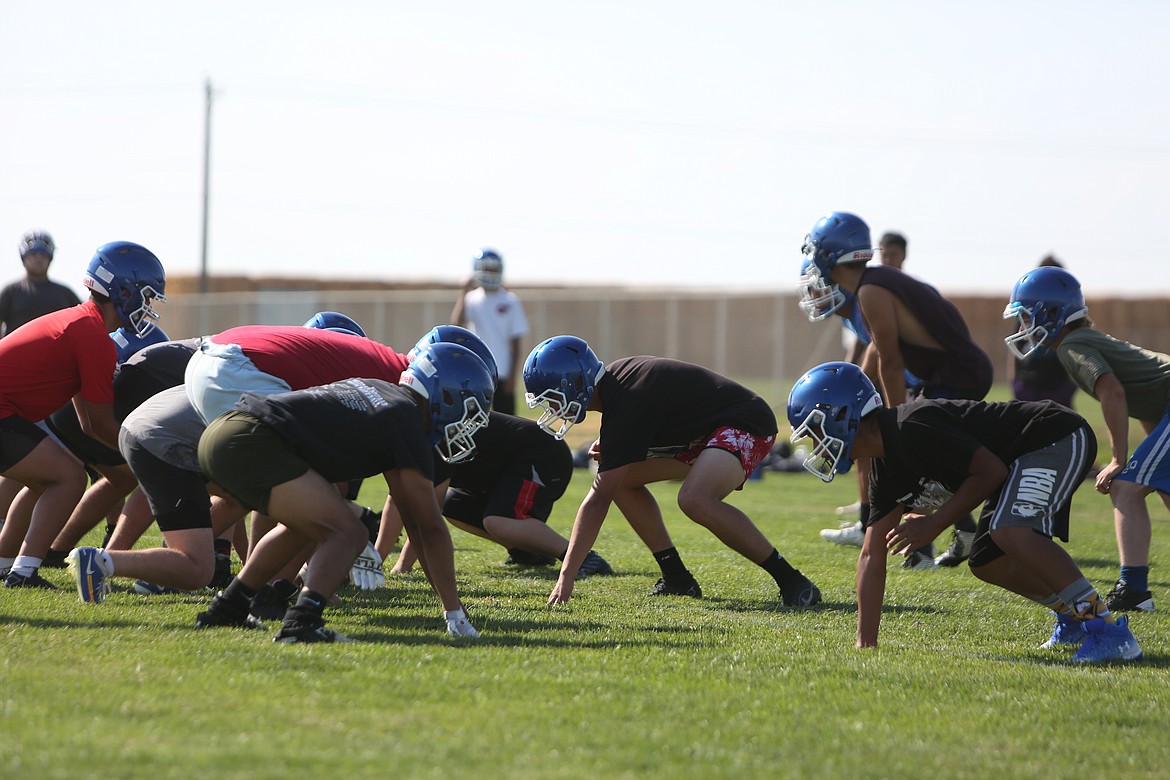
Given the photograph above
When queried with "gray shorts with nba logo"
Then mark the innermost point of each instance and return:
(1037, 493)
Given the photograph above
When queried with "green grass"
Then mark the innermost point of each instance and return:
(613, 685)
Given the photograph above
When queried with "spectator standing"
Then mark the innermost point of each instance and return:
(495, 314)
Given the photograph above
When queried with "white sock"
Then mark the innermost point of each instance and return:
(6, 563)
(25, 565)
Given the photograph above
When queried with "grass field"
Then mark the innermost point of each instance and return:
(613, 685)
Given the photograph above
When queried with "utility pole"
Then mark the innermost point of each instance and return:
(206, 186)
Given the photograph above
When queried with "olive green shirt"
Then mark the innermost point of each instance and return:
(1089, 354)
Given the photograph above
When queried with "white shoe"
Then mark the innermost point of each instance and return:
(851, 534)
(458, 624)
(850, 509)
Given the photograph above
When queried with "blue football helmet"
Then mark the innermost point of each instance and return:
(826, 405)
(840, 237)
(560, 375)
(453, 334)
(335, 321)
(458, 391)
(37, 241)
(132, 278)
(1043, 301)
(488, 268)
(130, 344)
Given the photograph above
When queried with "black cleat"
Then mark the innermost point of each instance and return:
(593, 564)
(300, 634)
(960, 549)
(684, 588)
(34, 580)
(273, 600)
(1123, 598)
(220, 613)
(524, 558)
(800, 593)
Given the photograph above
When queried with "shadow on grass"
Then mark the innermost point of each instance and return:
(849, 607)
(1147, 661)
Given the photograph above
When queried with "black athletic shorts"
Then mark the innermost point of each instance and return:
(18, 437)
(178, 497)
(520, 493)
(67, 428)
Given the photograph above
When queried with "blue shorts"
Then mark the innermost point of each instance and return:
(1150, 463)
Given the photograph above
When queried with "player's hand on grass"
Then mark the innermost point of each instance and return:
(366, 572)
(561, 592)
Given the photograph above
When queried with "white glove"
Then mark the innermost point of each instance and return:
(367, 569)
(458, 624)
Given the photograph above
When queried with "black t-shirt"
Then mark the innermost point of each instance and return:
(505, 441)
(661, 404)
(929, 445)
(347, 430)
(23, 301)
(1042, 370)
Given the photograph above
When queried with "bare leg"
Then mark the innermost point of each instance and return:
(59, 480)
(713, 475)
(1131, 522)
(186, 563)
(17, 523)
(115, 484)
(527, 533)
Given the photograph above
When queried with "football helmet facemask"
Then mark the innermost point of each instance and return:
(842, 238)
(488, 268)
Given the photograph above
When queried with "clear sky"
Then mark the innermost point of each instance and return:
(670, 143)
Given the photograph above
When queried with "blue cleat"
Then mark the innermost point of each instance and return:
(1108, 642)
(89, 570)
(1069, 632)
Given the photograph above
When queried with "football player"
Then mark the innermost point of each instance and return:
(936, 460)
(1129, 382)
(912, 327)
(661, 420)
(281, 453)
(63, 355)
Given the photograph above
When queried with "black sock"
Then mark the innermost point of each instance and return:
(307, 611)
(780, 569)
(223, 546)
(373, 522)
(237, 594)
(670, 562)
(966, 523)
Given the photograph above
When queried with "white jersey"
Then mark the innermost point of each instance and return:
(497, 317)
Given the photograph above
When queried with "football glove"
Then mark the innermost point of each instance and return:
(366, 572)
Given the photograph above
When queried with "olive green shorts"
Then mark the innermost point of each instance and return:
(247, 458)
